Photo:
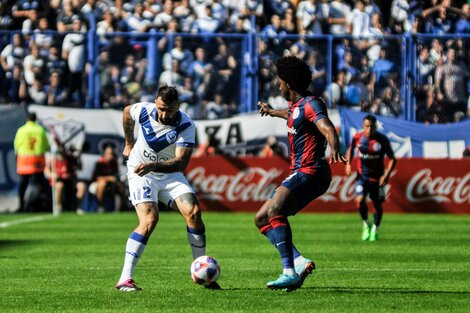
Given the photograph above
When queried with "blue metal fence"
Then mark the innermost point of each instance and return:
(247, 55)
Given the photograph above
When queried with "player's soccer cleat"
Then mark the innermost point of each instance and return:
(285, 282)
(214, 285)
(365, 233)
(128, 285)
(304, 269)
(374, 236)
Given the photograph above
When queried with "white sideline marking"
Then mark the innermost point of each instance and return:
(26, 220)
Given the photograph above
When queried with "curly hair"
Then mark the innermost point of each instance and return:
(295, 72)
(169, 94)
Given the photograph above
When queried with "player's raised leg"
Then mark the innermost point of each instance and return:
(147, 213)
(303, 266)
(274, 225)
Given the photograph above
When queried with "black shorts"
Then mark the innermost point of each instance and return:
(305, 188)
(369, 188)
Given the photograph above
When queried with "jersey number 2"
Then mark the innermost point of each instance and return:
(147, 192)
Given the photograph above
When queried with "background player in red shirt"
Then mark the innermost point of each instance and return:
(372, 147)
(309, 128)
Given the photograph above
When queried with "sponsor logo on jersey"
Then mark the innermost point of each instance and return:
(369, 156)
(291, 130)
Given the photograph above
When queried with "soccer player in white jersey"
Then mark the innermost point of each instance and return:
(155, 173)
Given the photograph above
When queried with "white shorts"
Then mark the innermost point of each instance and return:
(153, 188)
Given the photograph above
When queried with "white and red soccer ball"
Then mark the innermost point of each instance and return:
(205, 270)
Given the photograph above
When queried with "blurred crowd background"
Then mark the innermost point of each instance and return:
(376, 56)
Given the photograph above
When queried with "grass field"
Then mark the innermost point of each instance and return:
(71, 263)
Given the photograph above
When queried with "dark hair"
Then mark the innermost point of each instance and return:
(295, 72)
(371, 118)
(32, 116)
(169, 94)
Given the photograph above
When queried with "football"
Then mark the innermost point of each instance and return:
(205, 270)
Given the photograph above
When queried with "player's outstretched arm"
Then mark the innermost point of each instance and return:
(128, 127)
(177, 164)
(326, 127)
(265, 109)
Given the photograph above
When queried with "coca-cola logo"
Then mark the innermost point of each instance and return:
(255, 184)
(423, 187)
(343, 189)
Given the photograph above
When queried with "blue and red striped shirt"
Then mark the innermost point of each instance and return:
(307, 143)
(371, 152)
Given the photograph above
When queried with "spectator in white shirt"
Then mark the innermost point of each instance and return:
(33, 65)
(73, 52)
(338, 17)
(358, 20)
(309, 17)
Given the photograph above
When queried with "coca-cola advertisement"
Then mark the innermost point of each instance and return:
(417, 185)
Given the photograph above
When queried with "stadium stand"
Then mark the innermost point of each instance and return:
(404, 59)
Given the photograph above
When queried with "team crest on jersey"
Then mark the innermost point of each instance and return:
(376, 146)
(295, 114)
(171, 136)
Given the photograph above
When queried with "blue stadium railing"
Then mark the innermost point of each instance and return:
(248, 60)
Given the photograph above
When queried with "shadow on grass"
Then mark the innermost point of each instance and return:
(339, 289)
(359, 290)
(17, 242)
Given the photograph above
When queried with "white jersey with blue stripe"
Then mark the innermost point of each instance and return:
(157, 142)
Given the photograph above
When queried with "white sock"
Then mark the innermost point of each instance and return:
(288, 271)
(134, 248)
(299, 260)
(197, 241)
(374, 228)
(365, 223)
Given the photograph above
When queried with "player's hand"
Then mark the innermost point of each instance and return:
(383, 180)
(127, 151)
(263, 108)
(337, 157)
(143, 169)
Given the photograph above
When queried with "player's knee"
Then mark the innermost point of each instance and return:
(193, 213)
(378, 206)
(360, 200)
(261, 220)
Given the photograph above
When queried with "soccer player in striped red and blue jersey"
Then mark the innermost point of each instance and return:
(372, 176)
(309, 129)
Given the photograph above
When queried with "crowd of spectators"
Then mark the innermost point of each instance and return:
(45, 61)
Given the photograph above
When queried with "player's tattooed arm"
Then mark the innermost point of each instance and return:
(177, 164)
(128, 127)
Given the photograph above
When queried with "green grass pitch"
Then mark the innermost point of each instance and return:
(71, 264)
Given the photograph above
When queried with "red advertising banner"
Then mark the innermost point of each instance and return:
(417, 185)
